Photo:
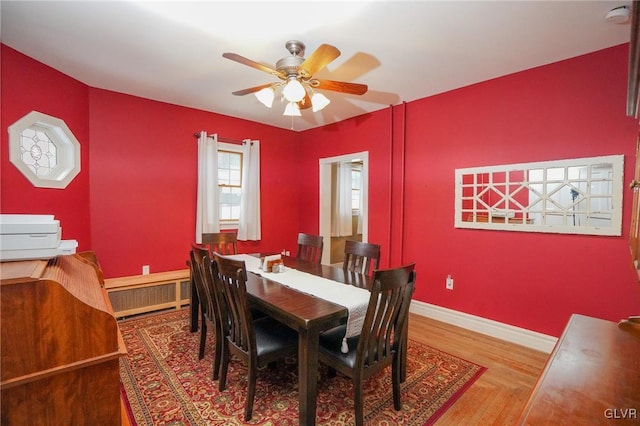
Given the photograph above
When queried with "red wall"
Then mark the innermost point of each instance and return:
(370, 132)
(28, 86)
(569, 109)
(143, 169)
(144, 175)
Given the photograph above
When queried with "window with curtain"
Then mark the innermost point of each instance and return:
(356, 177)
(230, 185)
(342, 203)
(228, 193)
(239, 185)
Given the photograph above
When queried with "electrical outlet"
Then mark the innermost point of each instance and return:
(145, 269)
(449, 283)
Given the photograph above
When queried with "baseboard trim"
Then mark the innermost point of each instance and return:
(520, 336)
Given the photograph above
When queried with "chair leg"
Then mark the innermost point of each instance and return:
(403, 355)
(203, 337)
(217, 357)
(217, 361)
(396, 378)
(357, 400)
(251, 391)
(331, 372)
(224, 357)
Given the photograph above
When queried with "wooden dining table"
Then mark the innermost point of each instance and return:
(307, 314)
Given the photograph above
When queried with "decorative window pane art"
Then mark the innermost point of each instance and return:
(45, 150)
(576, 196)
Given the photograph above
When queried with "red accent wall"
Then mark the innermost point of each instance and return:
(144, 178)
(369, 132)
(570, 109)
(141, 185)
(28, 85)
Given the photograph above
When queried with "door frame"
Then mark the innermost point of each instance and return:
(325, 198)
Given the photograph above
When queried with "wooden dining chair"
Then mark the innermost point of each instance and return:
(380, 343)
(361, 257)
(221, 242)
(257, 342)
(205, 295)
(219, 314)
(309, 248)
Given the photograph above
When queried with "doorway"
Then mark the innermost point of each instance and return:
(328, 185)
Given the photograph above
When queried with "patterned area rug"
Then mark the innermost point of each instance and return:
(164, 383)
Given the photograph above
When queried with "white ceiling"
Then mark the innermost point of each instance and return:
(403, 50)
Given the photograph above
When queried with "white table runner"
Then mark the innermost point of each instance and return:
(355, 299)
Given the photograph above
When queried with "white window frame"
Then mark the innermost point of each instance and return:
(357, 168)
(223, 146)
(54, 132)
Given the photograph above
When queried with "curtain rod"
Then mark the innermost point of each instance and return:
(227, 140)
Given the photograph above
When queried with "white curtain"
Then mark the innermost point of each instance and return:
(208, 194)
(249, 225)
(341, 222)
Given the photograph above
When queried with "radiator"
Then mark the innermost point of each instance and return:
(147, 293)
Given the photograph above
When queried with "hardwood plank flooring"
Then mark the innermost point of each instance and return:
(499, 395)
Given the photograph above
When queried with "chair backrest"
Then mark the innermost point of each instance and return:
(197, 256)
(361, 257)
(221, 242)
(309, 248)
(384, 323)
(219, 305)
(230, 278)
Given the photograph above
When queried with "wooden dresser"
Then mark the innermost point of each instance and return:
(591, 378)
(60, 344)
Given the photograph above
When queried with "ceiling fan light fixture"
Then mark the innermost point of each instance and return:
(292, 109)
(319, 101)
(265, 96)
(297, 81)
(294, 91)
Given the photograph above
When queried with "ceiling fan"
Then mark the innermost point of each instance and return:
(297, 82)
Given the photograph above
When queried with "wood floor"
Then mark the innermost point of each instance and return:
(499, 395)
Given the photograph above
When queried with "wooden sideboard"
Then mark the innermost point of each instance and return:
(591, 378)
(60, 344)
(634, 232)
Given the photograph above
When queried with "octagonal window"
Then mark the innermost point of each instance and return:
(45, 150)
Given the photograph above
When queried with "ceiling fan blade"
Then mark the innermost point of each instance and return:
(319, 59)
(252, 64)
(305, 103)
(341, 86)
(251, 89)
